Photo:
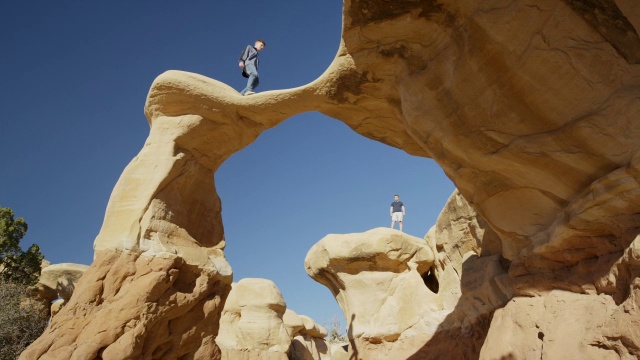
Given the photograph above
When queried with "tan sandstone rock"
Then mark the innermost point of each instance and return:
(311, 328)
(532, 116)
(56, 306)
(57, 281)
(307, 347)
(584, 323)
(530, 108)
(252, 325)
(42, 293)
(544, 327)
(62, 278)
(405, 296)
(339, 351)
(309, 343)
(376, 277)
(256, 324)
(134, 314)
(293, 322)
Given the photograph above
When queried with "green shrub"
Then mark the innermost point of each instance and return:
(17, 266)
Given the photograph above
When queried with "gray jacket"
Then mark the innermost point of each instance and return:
(250, 56)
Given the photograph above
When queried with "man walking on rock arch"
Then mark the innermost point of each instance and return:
(249, 64)
(397, 212)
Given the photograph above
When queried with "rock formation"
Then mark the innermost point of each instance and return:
(256, 324)
(404, 296)
(251, 326)
(308, 341)
(62, 278)
(531, 108)
(58, 281)
(376, 278)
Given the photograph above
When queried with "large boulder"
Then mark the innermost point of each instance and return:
(405, 296)
(309, 343)
(256, 325)
(62, 278)
(252, 325)
(293, 322)
(57, 283)
(376, 277)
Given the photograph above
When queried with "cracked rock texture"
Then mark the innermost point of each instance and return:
(590, 311)
(128, 306)
(563, 322)
(530, 107)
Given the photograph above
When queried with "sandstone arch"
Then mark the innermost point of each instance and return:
(553, 171)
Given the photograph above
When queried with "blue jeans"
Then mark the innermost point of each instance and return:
(253, 81)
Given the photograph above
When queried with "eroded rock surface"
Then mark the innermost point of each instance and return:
(62, 278)
(590, 310)
(128, 306)
(256, 324)
(404, 296)
(309, 343)
(589, 326)
(531, 108)
(543, 116)
(375, 276)
(251, 326)
(464, 303)
(57, 281)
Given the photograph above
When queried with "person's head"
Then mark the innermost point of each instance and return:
(396, 197)
(259, 45)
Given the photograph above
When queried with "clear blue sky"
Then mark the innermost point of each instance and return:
(75, 75)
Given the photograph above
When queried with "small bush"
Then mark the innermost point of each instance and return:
(335, 333)
(22, 320)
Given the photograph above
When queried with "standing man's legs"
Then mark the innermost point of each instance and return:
(396, 216)
(253, 80)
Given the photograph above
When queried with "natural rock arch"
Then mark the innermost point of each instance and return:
(553, 172)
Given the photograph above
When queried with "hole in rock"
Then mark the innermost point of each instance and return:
(504, 263)
(309, 177)
(431, 281)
